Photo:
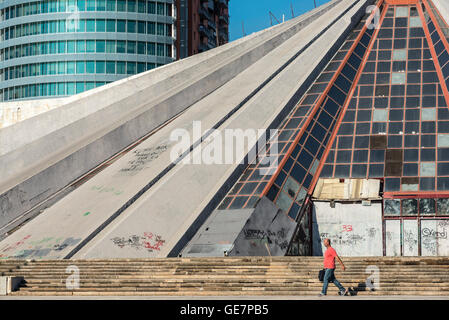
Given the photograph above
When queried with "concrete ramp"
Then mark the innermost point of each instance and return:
(143, 204)
(43, 154)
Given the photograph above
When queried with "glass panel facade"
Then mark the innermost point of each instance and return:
(303, 135)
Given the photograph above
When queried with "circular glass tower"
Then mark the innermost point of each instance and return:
(54, 48)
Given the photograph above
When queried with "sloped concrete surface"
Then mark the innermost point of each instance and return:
(41, 155)
(142, 205)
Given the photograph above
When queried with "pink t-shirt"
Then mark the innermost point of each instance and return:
(329, 258)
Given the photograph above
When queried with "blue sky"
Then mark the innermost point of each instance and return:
(254, 13)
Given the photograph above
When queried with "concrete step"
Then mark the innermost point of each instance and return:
(228, 276)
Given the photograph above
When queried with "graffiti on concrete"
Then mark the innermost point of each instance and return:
(12, 247)
(434, 237)
(148, 241)
(262, 237)
(349, 238)
(428, 232)
(142, 157)
(105, 189)
(410, 241)
(37, 248)
(372, 232)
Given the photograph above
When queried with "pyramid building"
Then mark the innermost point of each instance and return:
(377, 111)
(357, 151)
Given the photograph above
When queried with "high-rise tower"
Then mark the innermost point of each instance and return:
(62, 47)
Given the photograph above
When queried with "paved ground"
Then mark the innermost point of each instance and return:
(223, 298)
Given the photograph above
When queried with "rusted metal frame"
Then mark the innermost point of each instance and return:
(439, 14)
(444, 87)
(318, 105)
(415, 195)
(346, 104)
(402, 2)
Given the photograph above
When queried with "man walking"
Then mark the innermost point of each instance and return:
(329, 266)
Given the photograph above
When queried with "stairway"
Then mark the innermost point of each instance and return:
(244, 276)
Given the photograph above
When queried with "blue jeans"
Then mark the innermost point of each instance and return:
(329, 274)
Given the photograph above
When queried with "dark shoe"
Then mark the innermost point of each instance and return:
(321, 295)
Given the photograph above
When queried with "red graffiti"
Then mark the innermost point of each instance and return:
(347, 228)
(17, 244)
(157, 243)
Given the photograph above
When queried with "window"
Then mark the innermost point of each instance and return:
(90, 5)
(90, 85)
(121, 67)
(100, 46)
(90, 25)
(121, 25)
(110, 5)
(71, 46)
(110, 46)
(70, 67)
(168, 51)
(141, 47)
(101, 5)
(90, 45)
(151, 48)
(169, 9)
(70, 88)
(151, 28)
(61, 26)
(110, 26)
(160, 50)
(121, 46)
(81, 5)
(131, 5)
(80, 46)
(61, 3)
(71, 25)
(79, 87)
(61, 67)
(151, 7)
(80, 25)
(52, 47)
(100, 67)
(101, 25)
(121, 5)
(110, 67)
(131, 48)
(61, 87)
(161, 9)
(160, 29)
(141, 6)
(140, 67)
(131, 26)
(131, 68)
(90, 66)
(80, 67)
(141, 27)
